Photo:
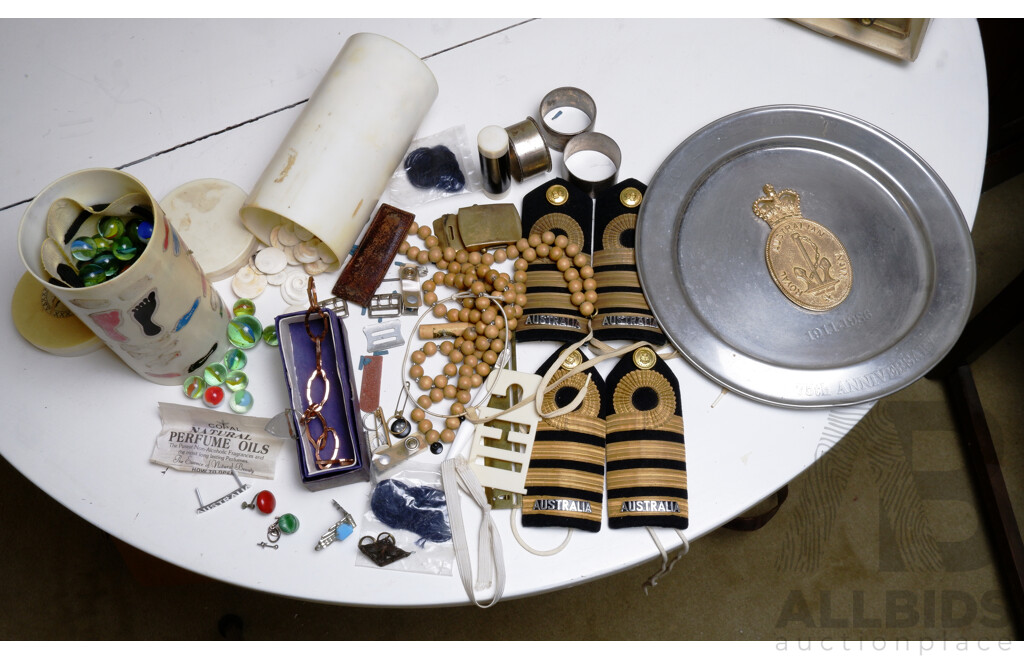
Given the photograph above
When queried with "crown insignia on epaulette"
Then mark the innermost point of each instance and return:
(777, 206)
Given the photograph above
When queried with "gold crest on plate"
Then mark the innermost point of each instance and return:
(807, 262)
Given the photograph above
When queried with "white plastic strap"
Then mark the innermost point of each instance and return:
(455, 472)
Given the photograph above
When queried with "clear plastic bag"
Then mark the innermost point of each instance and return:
(435, 167)
(409, 504)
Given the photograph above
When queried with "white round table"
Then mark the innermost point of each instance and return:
(174, 101)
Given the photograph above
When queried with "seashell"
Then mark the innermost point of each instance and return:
(293, 291)
(302, 233)
(270, 260)
(277, 279)
(289, 251)
(306, 252)
(286, 236)
(274, 240)
(248, 282)
(315, 267)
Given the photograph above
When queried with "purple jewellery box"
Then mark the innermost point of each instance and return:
(340, 409)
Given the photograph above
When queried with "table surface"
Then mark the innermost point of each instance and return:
(171, 101)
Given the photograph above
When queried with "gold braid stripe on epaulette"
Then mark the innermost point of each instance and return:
(567, 451)
(573, 422)
(623, 300)
(622, 278)
(644, 449)
(595, 508)
(645, 478)
(615, 507)
(546, 278)
(632, 422)
(565, 477)
(548, 300)
(614, 257)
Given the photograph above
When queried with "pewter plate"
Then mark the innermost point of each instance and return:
(701, 258)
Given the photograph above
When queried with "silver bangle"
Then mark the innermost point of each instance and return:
(566, 97)
(528, 151)
(601, 144)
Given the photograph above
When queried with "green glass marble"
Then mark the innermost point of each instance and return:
(124, 249)
(92, 274)
(288, 523)
(111, 227)
(235, 359)
(102, 244)
(194, 386)
(83, 248)
(236, 381)
(108, 262)
(244, 331)
(270, 335)
(244, 306)
(214, 374)
(241, 402)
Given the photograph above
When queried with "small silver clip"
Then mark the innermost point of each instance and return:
(382, 336)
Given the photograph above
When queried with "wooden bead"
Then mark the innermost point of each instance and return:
(425, 382)
(418, 357)
(571, 274)
(452, 315)
(571, 250)
(477, 380)
(548, 237)
(533, 240)
(464, 315)
(447, 436)
(423, 401)
(500, 256)
(433, 436)
(440, 381)
(450, 369)
(429, 298)
(417, 415)
(403, 247)
(587, 309)
(412, 252)
(423, 231)
(543, 250)
(413, 228)
(530, 254)
(464, 396)
(456, 356)
(434, 254)
(431, 242)
(561, 241)
(563, 264)
(465, 382)
(446, 347)
(591, 297)
(474, 258)
(487, 258)
(498, 345)
(589, 284)
(415, 372)
(512, 251)
(430, 348)
(461, 256)
(453, 423)
(580, 260)
(521, 265)
(425, 426)
(423, 258)
(457, 409)
(587, 271)
(440, 311)
(577, 298)
(575, 285)
(436, 395)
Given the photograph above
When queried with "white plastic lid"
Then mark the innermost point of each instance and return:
(205, 213)
(492, 141)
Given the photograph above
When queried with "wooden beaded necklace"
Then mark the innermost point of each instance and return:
(491, 303)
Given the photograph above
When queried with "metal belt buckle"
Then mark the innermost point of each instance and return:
(385, 305)
(382, 336)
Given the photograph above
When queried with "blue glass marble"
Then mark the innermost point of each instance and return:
(140, 231)
(111, 227)
(244, 331)
(124, 249)
(92, 274)
(214, 374)
(270, 335)
(236, 381)
(235, 359)
(241, 401)
(194, 386)
(243, 306)
(83, 248)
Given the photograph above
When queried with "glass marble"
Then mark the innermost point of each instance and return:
(108, 262)
(124, 249)
(270, 335)
(243, 306)
(83, 248)
(194, 387)
(265, 501)
(102, 244)
(236, 380)
(92, 274)
(214, 374)
(140, 231)
(288, 523)
(244, 331)
(241, 402)
(235, 359)
(213, 396)
(111, 227)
